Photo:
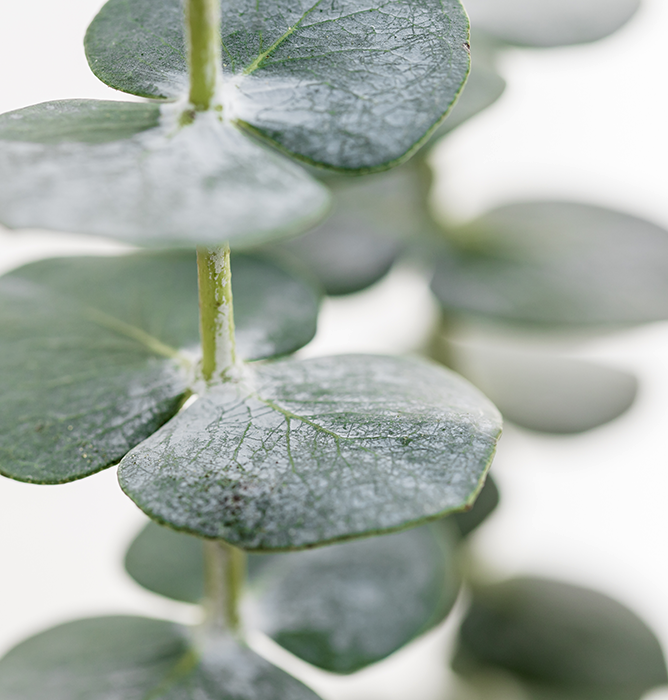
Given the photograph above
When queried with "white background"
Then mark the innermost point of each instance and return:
(586, 123)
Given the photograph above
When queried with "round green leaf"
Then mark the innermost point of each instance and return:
(344, 260)
(550, 22)
(98, 168)
(357, 245)
(563, 638)
(552, 394)
(346, 606)
(307, 452)
(349, 84)
(485, 504)
(136, 658)
(97, 353)
(556, 263)
(340, 607)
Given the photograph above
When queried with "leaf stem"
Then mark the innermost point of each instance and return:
(204, 60)
(219, 357)
(224, 575)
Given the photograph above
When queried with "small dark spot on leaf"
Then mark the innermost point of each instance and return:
(467, 46)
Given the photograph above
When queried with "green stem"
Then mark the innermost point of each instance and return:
(204, 61)
(216, 310)
(224, 575)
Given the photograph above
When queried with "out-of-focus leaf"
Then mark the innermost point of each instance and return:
(78, 121)
(550, 22)
(348, 84)
(344, 260)
(483, 87)
(99, 168)
(306, 452)
(556, 263)
(371, 218)
(167, 562)
(349, 605)
(340, 607)
(544, 391)
(96, 353)
(482, 90)
(487, 501)
(562, 640)
(136, 658)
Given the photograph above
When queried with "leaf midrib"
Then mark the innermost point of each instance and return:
(257, 63)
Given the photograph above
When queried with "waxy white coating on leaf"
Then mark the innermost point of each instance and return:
(317, 451)
(170, 185)
(349, 84)
(348, 605)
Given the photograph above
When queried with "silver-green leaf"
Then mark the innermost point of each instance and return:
(349, 84)
(307, 452)
(371, 218)
(349, 605)
(563, 640)
(97, 353)
(340, 607)
(135, 658)
(556, 263)
(134, 173)
(550, 22)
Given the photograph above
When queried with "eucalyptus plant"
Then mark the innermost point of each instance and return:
(105, 361)
(258, 118)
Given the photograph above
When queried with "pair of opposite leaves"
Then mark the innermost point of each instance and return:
(340, 607)
(298, 453)
(354, 86)
(98, 353)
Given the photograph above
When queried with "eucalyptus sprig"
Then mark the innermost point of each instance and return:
(102, 359)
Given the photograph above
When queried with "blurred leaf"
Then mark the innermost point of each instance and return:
(371, 218)
(98, 168)
(550, 22)
(168, 563)
(340, 607)
(171, 563)
(344, 260)
(136, 658)
(487, 501)
(345, 84)
(562, 640)
(482, 90)
(96, 353)
(558, 394)
(556, 263)
(483, 87)
(349, 605)
(308, 452)
(78, 121)
(491, 683)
